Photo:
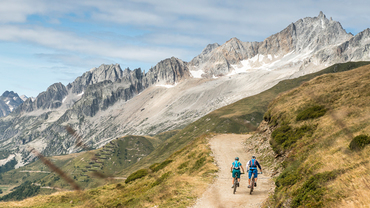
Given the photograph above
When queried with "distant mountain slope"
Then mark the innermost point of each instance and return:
(108, 102)
(10, 101)
(108, 160)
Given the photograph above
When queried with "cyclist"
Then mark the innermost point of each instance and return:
(252, 169)
(235, 169)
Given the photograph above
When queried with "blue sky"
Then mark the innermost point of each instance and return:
(43, 41)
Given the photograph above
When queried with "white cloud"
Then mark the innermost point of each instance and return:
(70, 42)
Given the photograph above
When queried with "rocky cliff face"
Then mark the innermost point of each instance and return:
(96, 75)
(167, 72)
(8, 102)
(307, 42)
(40, 122)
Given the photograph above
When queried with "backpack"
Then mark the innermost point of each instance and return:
(252, 163)
(236, 165)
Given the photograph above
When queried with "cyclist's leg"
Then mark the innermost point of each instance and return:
(239, 176)
(233, 175)
(249, 177)
(255, 176)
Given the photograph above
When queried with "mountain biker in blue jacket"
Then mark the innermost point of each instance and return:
(235, 169)
(252, 169)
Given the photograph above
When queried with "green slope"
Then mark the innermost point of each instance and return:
(108, 160)
(321, 130)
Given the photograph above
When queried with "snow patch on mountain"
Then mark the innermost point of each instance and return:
(197, 74)
(6, 160)
(166, 86)
(23, 97)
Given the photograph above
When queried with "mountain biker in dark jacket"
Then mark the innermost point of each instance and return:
(252, 169)
(235, 169)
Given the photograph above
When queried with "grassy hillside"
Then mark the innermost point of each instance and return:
(176, 182)
(108, 160)
(322, 130)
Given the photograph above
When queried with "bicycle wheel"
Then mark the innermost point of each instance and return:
(235, 184)
(252, 184)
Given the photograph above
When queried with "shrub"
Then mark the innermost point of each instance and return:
(284, 136)
(161, 179)
(289, 176)
(136, 175)
(153, 166)
(183, 165)
(161, 166)
(267, 116)
(312, 112)
(199, 163)
(359, 142)
(312, 191)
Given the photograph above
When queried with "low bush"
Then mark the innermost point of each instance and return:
(183, 165)
(312, 191)
(312, 112)
(289, 176)
(161, 166)
(359, 142)
(199, 163)
(153, 166)
(136, 175)
(161, 179)
(284, 136)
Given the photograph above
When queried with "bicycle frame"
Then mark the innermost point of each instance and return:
(252, 182)
(236, 181)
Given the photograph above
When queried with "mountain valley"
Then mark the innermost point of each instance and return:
(152, 129)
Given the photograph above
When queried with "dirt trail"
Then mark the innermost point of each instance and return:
(225, 148)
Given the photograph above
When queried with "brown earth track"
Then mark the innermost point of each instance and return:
(225, 148)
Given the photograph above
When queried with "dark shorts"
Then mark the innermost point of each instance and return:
(252, 171)
(236, 171)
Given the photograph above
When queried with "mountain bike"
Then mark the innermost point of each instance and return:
(252, 183)
(236, 183)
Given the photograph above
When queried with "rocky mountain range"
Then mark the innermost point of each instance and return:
(108, 102)
(10, 101)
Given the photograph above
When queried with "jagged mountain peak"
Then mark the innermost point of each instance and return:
(9, 94)
(23, 97)
(233, 40)
(301, 39)
(321, 15)
(9, 101)
(167, 72)
(209, 48)
(112, 72)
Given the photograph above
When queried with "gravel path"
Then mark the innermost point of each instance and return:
(225, 148)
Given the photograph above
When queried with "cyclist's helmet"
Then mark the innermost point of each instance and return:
(236, 158)
(253, 157)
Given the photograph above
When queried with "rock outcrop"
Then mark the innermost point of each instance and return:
(8, 102)
(307, 42)
(167, 72)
